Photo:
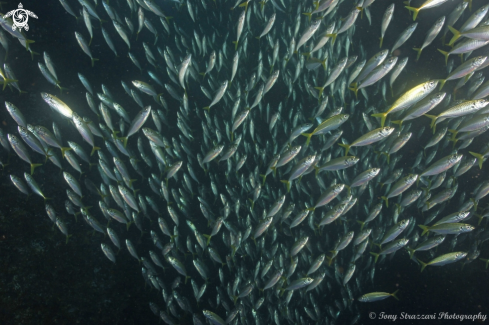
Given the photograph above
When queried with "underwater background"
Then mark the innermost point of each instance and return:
(44, 280)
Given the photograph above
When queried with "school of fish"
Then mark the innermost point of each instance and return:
(268, 156)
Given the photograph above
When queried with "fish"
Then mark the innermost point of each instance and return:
(444, 259)
(85, 46)
(409, 98)
(203, 186)
(426, 5)
(376, 296)
(430, 35)
(369, 138)
(219, 94)
(386, 20)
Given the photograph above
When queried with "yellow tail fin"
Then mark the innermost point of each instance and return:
(414, 10)
(346, 146)
(382, 116)
(308, 135)
(419, 53)
(445, 54)
(479, 157)
(456, 35)
(433, 121)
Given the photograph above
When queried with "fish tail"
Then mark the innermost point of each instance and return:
(346, 146)
(27, 42)
(252, 203)
(480, 158)
(93, 61)
(423, 264)
(308, 14)
(316, 5)
(61, 88)
(308, 135)
(95, 149)
(394, 294)
(32, 54)
(485, 260)
(425, 229)
(433, 120)
(274, 171)
(306, 54)
(361, 223)
(398, 122)
(386, 200)
(317, 170)
(125, 141)
(354, 88)
(286, 183)
(456, 35)
(323, 63)
(376, 256)
(235, 45)
(330, 259)
(33, 166)
(411, 252)
(186, 279)
(8, 81)
(320, 91)
(207, 108)
(454, 135)
(130, 182)
(311, 209)
(208, 238)
(333, 36)
(381, 41)
(445, 54)
(264, 177)
(419, 53)
(245, 5)
(414, 10)
(475, 204)
(442, 83)
(67, 238)
(361, 12)
(382, 116)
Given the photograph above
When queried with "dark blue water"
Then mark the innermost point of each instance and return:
(45, 281)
